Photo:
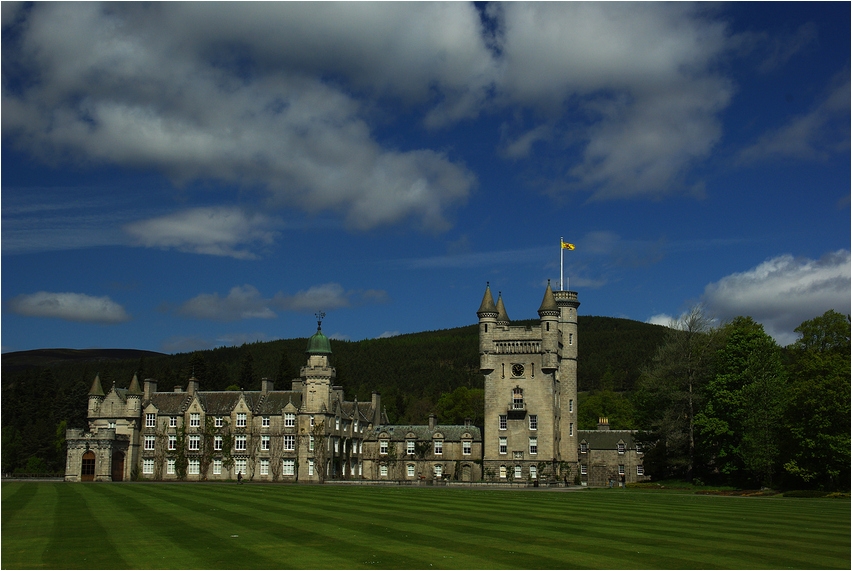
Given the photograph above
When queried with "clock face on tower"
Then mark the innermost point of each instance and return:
(517, 370)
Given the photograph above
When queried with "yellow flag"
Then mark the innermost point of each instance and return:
(567, 246)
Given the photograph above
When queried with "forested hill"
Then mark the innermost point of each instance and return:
(41, 389)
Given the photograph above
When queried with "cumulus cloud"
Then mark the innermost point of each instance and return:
(784, 291)
(216, 231)
(246, 302)
(663, 319)
(70, 307)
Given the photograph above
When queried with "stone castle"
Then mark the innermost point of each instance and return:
(310, 433)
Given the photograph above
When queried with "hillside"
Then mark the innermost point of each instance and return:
(41, 389)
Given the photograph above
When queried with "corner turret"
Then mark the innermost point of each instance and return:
(549, 315)
(96, 396)
(487, 322)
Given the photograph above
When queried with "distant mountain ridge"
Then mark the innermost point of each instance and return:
(17, 360)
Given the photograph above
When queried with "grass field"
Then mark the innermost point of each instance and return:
(225, 526)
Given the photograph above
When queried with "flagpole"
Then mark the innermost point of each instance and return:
(561, 258)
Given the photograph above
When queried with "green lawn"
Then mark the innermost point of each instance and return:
(226, 526)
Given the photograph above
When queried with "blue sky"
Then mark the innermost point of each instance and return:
(180, 176)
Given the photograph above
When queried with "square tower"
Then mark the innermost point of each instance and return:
(530, 374)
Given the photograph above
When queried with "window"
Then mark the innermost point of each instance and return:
(518, 454)
(149, 442)
(111, 424)
(289, 442)
(194, 466)
(311, 444)
(640, 470)
(219, 422)
(638, 449)
(264, 442)
(289, 419)
(504, 446)
(217, 443)
(240, 465)
(439, 447)
(584, 447)
(621, 447)
(147, 465)
(194, 442)
(383, 471)
(170, 466)
(439, 470)
(466, 447)
(311, 421)
(383, 446)
(409, 447)
(195, 419)
(570, 405)
(172, 442)
(518, 472)
(410, 470)
(533, 445)
(503, 424)
(337, 423)
(570, 429)
(150, 420)
(336, 445)
(533, 473)
(264, 421)
(172, 421)
(570, 338)
(310, 467)
(533, 422)
(240, 442)
(241, 420)
(264, 466)
(621, 469)
(503, 472)
(356, 425)
(584, 469)
(217, 466)
(517, 398)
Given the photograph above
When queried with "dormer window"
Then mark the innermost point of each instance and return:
(241, 420)
(150, 420)
(195, 419)
(621, 447)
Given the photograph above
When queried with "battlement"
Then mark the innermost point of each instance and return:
(566, 297)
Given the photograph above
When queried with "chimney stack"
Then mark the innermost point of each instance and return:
(266, 385)
(603, 423)
(150, 388)
(432, 421)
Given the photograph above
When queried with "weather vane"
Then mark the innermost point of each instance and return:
(320, 315)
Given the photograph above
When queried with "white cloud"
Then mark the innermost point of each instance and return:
(70, 307)
(242, 302)
(388, 334)
(214, 231)
(663, 319)
(784, 291)
(320, 297)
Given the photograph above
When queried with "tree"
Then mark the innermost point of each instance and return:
(462, 403)
(740, 421)
(669, 394)
(246, 380)
(817, 415)
(605, 403)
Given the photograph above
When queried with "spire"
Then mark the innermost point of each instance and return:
(548, 304)
(97, 390)
(134, 388)
(502, 316)
(487, 308)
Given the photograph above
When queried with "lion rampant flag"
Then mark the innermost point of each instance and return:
(567, 246)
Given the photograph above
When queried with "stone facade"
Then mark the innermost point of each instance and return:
(610, 457)
(530, 389)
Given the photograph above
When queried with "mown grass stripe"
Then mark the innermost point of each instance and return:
(27, 509)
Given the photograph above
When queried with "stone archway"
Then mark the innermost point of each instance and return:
(118, 466)
(87, 471)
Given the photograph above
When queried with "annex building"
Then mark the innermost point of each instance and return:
(310, 433)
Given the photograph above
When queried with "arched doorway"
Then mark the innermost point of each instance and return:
(87, 473)
(465, 473)
(118, 467)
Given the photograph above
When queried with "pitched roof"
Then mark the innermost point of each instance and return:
(606, 439)
(398, 432)
(275, 401)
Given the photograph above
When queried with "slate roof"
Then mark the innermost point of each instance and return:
(451, 432)
(170, 403)
(277, 400)
(606, 439)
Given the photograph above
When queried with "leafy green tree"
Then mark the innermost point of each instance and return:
(670, 393)
(462, 403)
(246, 380)
(740, 421)
(818, 412)
(614, 406)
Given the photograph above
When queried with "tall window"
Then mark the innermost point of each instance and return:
(241, 420)
(150, 441)
(240, 465)
(217, 442)
(172, 442)
(289, 419)
(311, 421)
(194, 466)
(621, 469)
(383, 471)
(219, 422)
(584, 469)
(503, 422)
(311, 443)
(503, 472)
(194, 442)
(264, 466)
(439, 470)
(533, 472)
(289, 442)
(311, 467)
(409, 447)
(533, 445)
(439, 447)
(410, 470)
(533, 422)
(147, 465)
(570, 429)
(264, 422)
(570, 405)
(517, 472)
(172, 421)
(240, 442)
(517, 398)
(194, 419)
(466, 447)
(337, 423)
(264, 442)
(150, 420)
(170, 466)
(217, 466)
(383, 446)
(504, 446)
(640, 470)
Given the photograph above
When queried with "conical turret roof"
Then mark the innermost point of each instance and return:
(487, 306)
(502, 316)
(548, 304)
(134, 389)
(97, 390)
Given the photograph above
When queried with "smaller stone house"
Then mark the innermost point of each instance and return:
(424, 452)
(609, 457)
